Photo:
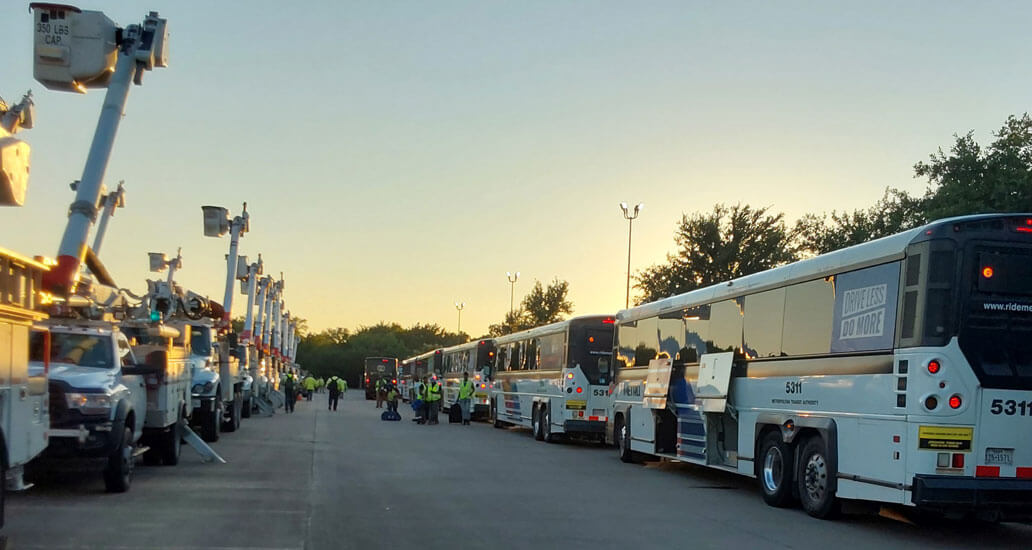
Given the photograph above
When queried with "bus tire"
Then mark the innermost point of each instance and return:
(494, 416)
(774, 470)
(622, 435)
(535, 422)
(546, 426)
(813, 477)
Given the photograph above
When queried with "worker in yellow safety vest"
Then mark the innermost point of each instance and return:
(380, 393)
(310, 386)
(433, 399)
(465, 396)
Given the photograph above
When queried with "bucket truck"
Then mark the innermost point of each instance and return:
(24, 417)
(229, 387)
(97, 391)
(248, 274)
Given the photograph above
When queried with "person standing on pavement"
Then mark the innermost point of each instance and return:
(433, 399)
(379, 393)
(290, 392)
(465, 396)
(310, 385)
(334, 389)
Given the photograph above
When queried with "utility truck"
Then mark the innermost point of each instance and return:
(24, 418)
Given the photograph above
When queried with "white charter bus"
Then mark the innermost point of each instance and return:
(895, 371)
(473, 358)
(555, 379)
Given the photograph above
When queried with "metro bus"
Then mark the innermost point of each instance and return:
(416, 368)
(473, 358)
(376, 368)
(555, 379)
(894, 371)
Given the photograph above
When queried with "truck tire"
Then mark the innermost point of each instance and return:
(118, 474)
(232, 423)
(172, 444)
(211, 423)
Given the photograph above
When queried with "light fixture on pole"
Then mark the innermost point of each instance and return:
(460, 306)
(630, 217)
(513, 277)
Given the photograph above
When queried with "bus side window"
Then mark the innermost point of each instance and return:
(514, 358)
(532, 354)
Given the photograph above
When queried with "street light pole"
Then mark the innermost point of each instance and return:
(630, 217)
(460, 306)
(512, 288)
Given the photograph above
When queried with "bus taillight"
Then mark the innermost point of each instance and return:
(987, 272)
(934, 366)
(955, 402)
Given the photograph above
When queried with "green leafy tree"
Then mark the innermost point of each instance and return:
(338, 351)
(896, 211)
(972, 179)
(541, 306)
(728, 242)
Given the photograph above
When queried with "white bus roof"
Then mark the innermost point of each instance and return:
(546, 329)
(871, 253)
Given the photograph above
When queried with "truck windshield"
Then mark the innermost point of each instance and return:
(200, 340)
(83, 350)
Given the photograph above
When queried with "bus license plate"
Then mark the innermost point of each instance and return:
(576, 405)
(1004, 457)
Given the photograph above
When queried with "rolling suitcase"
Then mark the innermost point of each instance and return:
(390, 415)
(454, 414)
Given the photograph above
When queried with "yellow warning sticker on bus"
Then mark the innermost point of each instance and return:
(576, 405)
(945, 438)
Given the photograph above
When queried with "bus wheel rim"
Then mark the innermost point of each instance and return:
(773, 469)
(816, 477)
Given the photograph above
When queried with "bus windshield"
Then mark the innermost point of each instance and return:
(591, 347)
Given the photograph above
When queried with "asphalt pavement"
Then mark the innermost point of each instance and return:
(317, 479)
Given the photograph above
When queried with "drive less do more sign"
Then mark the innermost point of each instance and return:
(863, 312)
(865, 309)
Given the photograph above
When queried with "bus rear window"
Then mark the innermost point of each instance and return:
(1002, 273)
(592, 349)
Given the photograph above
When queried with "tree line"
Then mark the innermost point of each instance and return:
(734, 241)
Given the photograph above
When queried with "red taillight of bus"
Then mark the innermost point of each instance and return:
(579, 390)
(934, 366)
(955, 402)
(1026, 227)
(394, 381)
(958, 460)
(987, 272)
(366, 380)
(608, 321)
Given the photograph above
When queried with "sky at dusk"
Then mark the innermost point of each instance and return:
(397, 157)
